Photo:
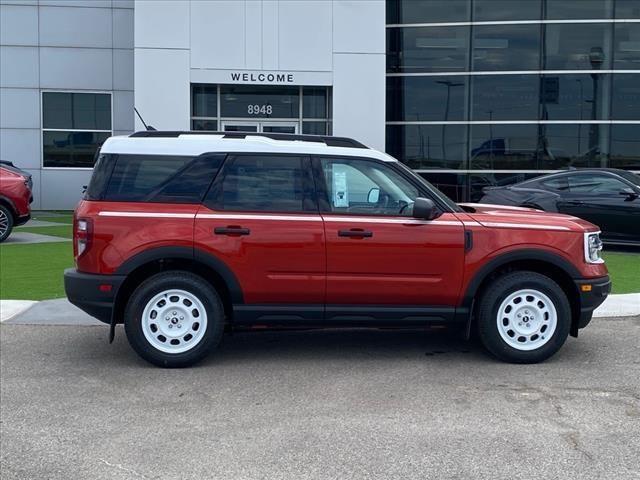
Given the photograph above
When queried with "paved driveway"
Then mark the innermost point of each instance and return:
(335, 405)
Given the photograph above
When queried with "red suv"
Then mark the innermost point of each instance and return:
(15, 198)
(183, 235)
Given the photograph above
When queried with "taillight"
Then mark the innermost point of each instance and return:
(83, 233)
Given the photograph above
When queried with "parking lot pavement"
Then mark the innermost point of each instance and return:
(18, 237)
(325, 404)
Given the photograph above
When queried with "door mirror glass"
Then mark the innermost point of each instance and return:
(374, 195)
(424, 209)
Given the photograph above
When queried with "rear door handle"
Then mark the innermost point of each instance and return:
(231, 230)
(355, 233)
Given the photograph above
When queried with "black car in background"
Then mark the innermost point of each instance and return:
(607, 197)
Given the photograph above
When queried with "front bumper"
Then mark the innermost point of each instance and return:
(22, 219)
(593, 292)
(94, 294)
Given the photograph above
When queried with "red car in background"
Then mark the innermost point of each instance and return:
(15, 198)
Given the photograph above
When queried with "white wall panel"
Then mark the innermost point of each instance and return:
(122, 28)
(18, 25)
(75, 27)
(217, 34)
(20, 146)
(253, 35)
(19, 67)
(161, 24)
(359, 26)
(62, 189)
(305, 39)
(20, 108)
(359, 98)
(123, 69)
(162, 91)
(123, 114)
(270, 34)
(81, 68)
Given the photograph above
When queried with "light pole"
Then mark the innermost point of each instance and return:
(596, 57)
(449, 84)
(581, 114)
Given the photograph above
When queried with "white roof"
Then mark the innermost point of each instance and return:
(193, 145)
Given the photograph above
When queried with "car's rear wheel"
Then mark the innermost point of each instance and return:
(523, 317)
(6, 223)
(174, 319)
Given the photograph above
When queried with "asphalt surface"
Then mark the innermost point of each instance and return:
(328, 405)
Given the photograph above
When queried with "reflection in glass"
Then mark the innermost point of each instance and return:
(570, 97)
(577, 46)
(625, 147)
(71, 149)
(505, 97)
(259, 101)
(210, 125)
(204, 101)
(627, 9)
(453, 185)
(428, 146)
(575, 145)
(86, 111)
(502, 10)
(314, 102)
(426, 98)
(315, 128)
(574, 9)
(503, 147)
(626, 55)
(506, 47)
(433, 11)
(427, 49)
(478, 181)
(625, 98)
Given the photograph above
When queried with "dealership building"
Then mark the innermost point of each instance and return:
(469, 93)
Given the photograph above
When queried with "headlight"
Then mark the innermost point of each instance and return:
(592, 247)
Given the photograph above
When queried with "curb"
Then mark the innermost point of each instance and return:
(619, 305)
(12, 308)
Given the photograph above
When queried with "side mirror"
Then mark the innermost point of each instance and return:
(374, 195)
(424, 209)
(629, 193)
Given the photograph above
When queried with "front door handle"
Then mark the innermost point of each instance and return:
(355, 233)
(231, 230)
(574, 202)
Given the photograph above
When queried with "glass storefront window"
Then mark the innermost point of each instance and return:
(570, 97)
(428, 146)
(314, 102)
(503, 147)
(433, 11)
(506, 47)
(576, 145)
(503, 10)
(436, 98)
(428, 49)
(71, 149)
(625, 147)
(625, 97)
(627, 9)
(505, 97)
(315, 128)
(210, 125)
(626, 46)
(577, 46)
(578, 9)
(247, 101)
(204, 101)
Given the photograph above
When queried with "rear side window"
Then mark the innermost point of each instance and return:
(154, 178)
(265, 183)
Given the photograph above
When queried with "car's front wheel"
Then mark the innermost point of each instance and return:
(6, 223)
(174, 319)
(523, 317)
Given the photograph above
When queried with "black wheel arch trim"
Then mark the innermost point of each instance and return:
(529, 254)
(9, 203)
(186, 253)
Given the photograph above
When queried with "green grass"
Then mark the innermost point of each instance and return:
(624, 269)
(34, 271)
(64, 231)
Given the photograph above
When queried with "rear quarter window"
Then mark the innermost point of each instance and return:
(154, 178)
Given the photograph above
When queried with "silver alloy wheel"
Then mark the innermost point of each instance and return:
(4, 223)
(174, 321)
(527, 319)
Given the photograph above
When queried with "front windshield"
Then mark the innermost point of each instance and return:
(441, 196)
(630, 176)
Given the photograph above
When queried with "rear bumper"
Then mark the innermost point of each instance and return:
(593, 292)
(91, 293)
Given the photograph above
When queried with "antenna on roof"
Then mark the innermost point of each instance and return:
(147, 127)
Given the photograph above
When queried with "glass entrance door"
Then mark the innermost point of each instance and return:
(259, 126)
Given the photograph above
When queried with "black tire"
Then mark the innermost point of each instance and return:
(174, 280)
(487, 315)
(6, 223)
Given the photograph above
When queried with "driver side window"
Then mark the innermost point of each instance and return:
(364, 187)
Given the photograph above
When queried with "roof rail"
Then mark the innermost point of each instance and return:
(326, 139)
